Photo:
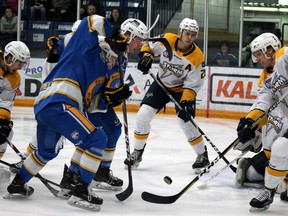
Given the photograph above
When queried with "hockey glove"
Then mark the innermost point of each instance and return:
(117, 42)
(145, 63)
(5, 129)
(52, 55)
(253, 145)
(115, 97)
(188, 110)
(244, 130)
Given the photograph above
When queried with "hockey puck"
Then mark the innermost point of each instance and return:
(167, 180)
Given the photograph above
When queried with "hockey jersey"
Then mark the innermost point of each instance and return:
(81, 70)
(184, 71)
(9, 85)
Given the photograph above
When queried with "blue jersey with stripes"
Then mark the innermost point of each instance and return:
(81, 70)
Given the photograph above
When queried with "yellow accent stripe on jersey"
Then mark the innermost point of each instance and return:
(267, 153)
(79, 150)
(141, 136)
(14, 79)
(255, 114)
(146, 48)
(276, 173)
(196, 141)
(5, 114)
(188, 94)
(280, 52)
(29, 149)
(66, 80)
(89, 92)
(78, 115)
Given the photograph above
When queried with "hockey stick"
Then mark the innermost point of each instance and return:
(43, 180)
(129, 190)
(165, 43)
(191, 119)
(149, 197)
(205, 184)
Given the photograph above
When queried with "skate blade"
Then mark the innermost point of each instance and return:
(15, 196)
(64, 194)
(105, 186)
(80, 203)
(254, 209)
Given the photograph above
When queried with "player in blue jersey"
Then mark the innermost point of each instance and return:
(64, 97)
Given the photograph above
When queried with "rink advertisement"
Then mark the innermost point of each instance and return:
(225, 89)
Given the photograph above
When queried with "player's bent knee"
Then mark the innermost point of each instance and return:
(96, 140)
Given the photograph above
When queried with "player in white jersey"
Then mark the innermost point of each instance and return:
(16, 56)
(272, 88)
(183, 76)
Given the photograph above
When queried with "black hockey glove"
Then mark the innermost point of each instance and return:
(115, 97)
(52, 55)
(188, 110)
(244, 130)
(5, 129)
(145, 62)
(117, 41)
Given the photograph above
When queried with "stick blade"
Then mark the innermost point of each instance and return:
(125, 194)
(153, 198)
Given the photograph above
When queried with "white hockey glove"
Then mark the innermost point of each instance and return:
(110, 55)
(253, 145)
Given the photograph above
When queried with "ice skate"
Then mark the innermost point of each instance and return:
(263, 200)
(284, 196)
(136, 158)
(201, 162)
(84, 197)
(16, 167)
(4, 174)
(67, 183)
(18, 189)
(105, 180)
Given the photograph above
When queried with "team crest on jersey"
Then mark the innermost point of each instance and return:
(276, 122)
(75, 135)
(267, 82)
(166, 54)
(279, 83)
(175, 69)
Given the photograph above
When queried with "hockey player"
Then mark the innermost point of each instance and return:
(64, 96)
(16, 56)
(184, 75)
(250, 171)
(272, 88)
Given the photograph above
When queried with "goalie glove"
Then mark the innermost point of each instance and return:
(244, 130)
(115, 97)
(5, 129)
(253, 145)
(145, 62)
(188, 110)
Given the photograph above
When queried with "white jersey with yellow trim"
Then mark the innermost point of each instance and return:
(186, 70)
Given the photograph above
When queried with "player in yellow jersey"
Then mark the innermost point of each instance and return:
(275, 138)
(16, 56)
(183, 76)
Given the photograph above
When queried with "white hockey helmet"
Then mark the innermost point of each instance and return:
(19, 51)
(75, 25)
(189, 25)
(262, 42)
(135, 28)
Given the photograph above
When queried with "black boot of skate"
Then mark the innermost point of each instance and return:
(84, 197)
(16, 167)
(136, 158)
(263, 200)
(284, 196)
(104, 179)
(68, 182)
(201, 162)
(18, 188)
